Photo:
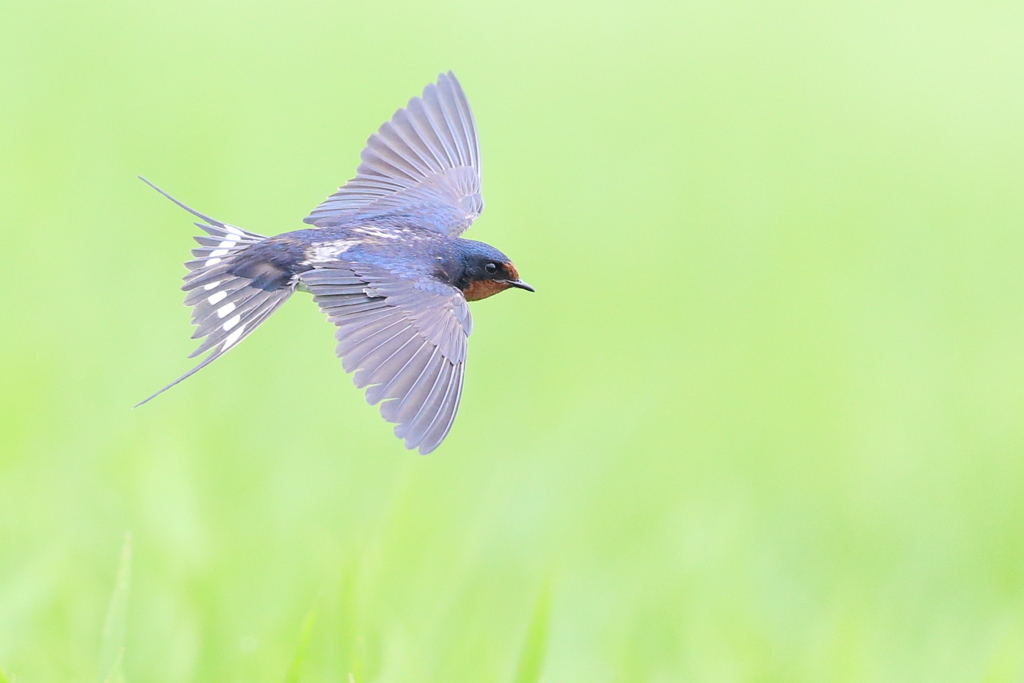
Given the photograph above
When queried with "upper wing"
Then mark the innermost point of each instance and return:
(425, 162)
(406, 338)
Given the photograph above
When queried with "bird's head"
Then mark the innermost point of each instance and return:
(486, 271)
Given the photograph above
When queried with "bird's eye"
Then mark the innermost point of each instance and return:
(491, 268)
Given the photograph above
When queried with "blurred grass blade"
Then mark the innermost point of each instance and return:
(112, 640)
(300, 653)
(531, 660)
(350, 642)
(3, 677)
(115, 669)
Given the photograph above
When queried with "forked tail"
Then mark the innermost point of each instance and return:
(226, 308)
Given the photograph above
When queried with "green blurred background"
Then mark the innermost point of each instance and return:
(760, 422)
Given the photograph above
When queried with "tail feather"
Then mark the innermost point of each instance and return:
(226, 308)
(200, 294)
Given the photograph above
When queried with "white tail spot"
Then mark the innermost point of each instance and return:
(224, 310)
(232, 322)
(217, 298)
(211, 286)
(232, 338)
(233, 230)
(222, 250)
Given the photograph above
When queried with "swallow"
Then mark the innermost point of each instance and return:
(383, 259)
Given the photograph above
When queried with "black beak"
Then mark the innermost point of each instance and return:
(521, 285)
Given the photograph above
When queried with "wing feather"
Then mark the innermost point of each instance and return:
(418, 418)
(405, 409)
(444, 416)
(381, 353)
(417, 427)
(388, 338)
(424, 163)
(401, 376)
(404, 339)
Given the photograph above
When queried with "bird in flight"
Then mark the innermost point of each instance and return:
(382, 258)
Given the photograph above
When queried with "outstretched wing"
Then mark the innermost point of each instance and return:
(424, 162)
(405, 340)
